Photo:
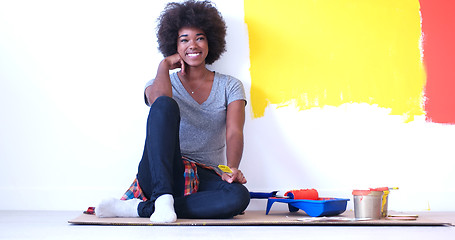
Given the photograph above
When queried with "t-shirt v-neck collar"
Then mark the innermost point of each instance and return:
(191, 97)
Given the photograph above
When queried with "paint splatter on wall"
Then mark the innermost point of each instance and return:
(318, 53)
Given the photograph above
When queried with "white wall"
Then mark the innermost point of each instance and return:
(72, 122)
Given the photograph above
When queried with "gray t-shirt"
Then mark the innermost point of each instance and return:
(203, 126)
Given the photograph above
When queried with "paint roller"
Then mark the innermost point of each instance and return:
(308, 194)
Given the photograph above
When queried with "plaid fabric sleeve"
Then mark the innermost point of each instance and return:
(191, 177)
(134, 191)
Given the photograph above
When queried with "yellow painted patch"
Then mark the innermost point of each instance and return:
(330, 52)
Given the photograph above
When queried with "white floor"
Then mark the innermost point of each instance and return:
(53, 225)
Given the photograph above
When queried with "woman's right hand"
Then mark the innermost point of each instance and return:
(162, 84)
(175, 61)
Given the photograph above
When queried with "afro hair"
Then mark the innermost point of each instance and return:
(191, 13)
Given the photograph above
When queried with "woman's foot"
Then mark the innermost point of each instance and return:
(164, 210)
(113, 207)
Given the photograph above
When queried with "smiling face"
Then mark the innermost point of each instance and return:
(192, 46)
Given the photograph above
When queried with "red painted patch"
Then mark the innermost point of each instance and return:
(438, 27)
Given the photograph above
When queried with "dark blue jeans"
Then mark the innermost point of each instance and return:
(161, 172)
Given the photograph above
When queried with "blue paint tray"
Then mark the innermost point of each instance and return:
(314, 208)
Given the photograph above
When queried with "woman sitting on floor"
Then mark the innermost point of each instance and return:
(195, 123)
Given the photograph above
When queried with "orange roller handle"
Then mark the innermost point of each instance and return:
(308, 194)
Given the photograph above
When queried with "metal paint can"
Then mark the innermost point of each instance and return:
(367, 204)
(385, 200)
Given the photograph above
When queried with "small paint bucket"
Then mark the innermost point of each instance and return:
(385, 200)
(367, 204)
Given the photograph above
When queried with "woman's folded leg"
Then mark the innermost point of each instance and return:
(215, 198)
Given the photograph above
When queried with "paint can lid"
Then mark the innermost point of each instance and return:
(360, 192)
(366, 192)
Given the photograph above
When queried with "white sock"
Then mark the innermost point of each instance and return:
(164, 210)
(113, 207)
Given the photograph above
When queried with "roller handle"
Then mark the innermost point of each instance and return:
(262, 195)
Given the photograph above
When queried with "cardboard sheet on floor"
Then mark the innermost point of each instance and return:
(258, 218)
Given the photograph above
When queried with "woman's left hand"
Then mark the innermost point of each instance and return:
(235, 176)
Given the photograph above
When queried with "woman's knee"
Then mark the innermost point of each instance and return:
(166, 107)
(164, 102)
